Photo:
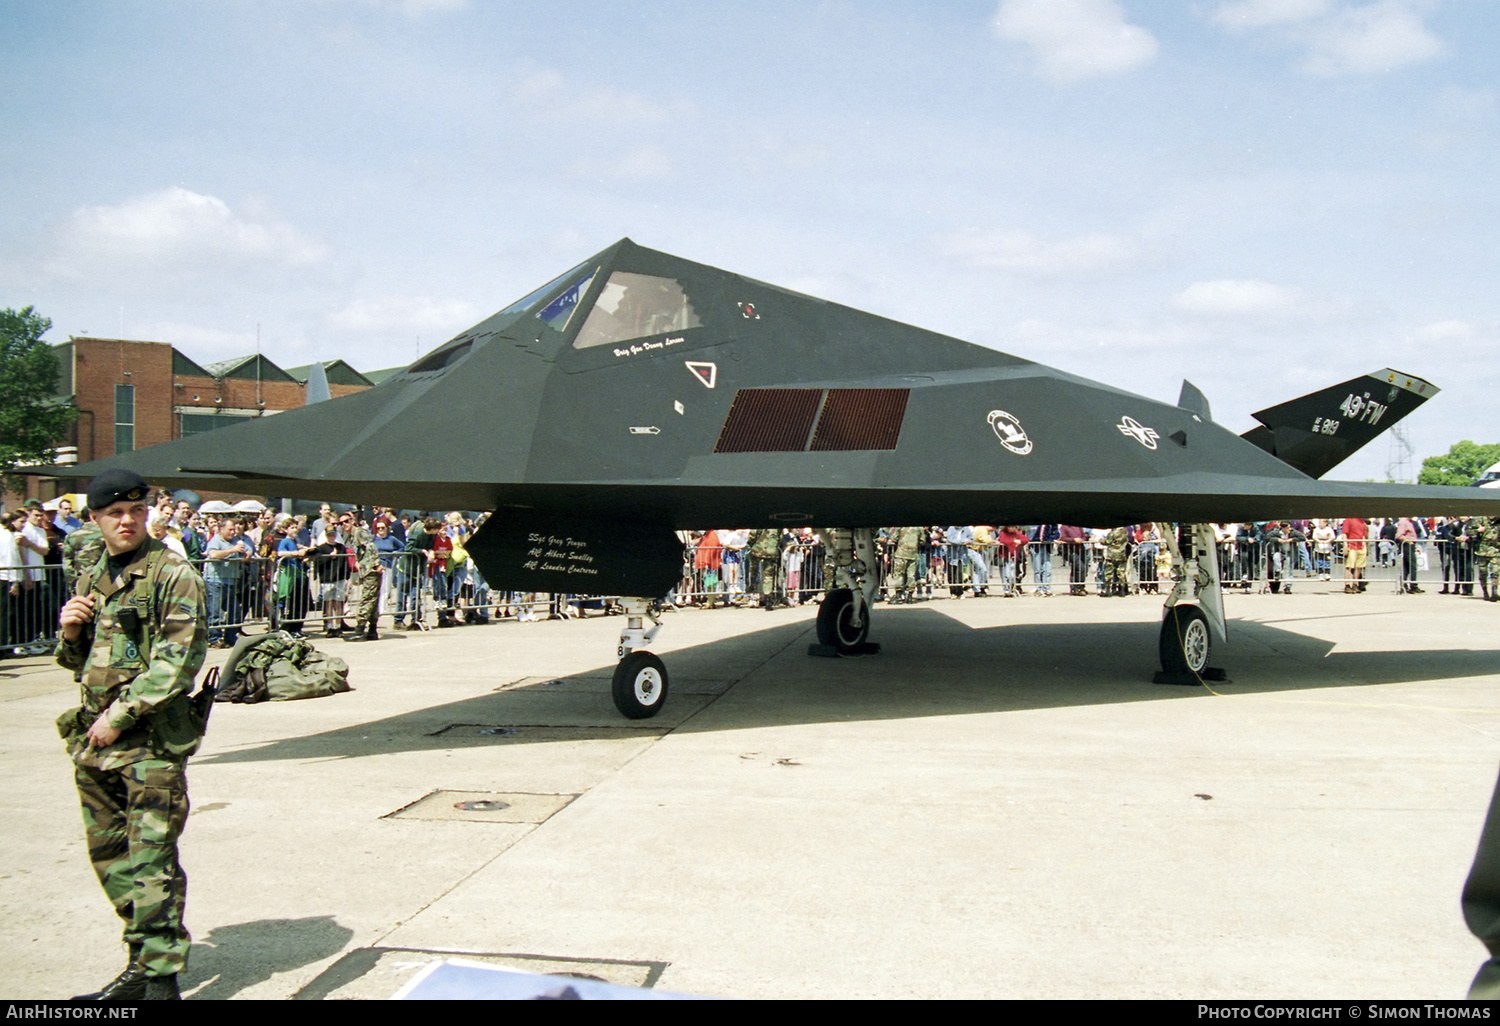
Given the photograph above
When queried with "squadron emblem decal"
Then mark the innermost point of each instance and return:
(1135, 429)
(1008, 429)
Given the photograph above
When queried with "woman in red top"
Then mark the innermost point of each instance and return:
(1012, 542)
(437, 570)
(707, 559)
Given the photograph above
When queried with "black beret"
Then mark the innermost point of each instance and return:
(113, 485)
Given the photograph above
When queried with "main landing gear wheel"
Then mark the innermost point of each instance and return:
(836, 623)
(640, 685)
(1186, 642)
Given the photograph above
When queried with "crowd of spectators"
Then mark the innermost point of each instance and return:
(261, 566)
(916, 563)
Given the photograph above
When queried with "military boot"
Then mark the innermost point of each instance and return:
(162, 988)
(130, 985)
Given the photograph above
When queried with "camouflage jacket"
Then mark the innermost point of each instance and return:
(1117, 545)
(81, 549)
(365, 552)
(138, 659)
(1486, 534)
(907, 541)
(765, 543)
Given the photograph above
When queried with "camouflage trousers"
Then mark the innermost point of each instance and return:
(369, 601)
(1487, 570)
(765, 571)
(1116, 576)
(903, 576)
(132, 818)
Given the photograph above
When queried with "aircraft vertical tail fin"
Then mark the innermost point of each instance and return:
(1318, 431)
(317, 384)
(1194, 401)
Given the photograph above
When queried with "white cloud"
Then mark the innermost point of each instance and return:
(1343, 38)
(1250, 298)
(175, 230)
(205, 345)
(639, 163)
(421, 8)
(1076, 39)
(414, 8)
(1372, 39)
(1035, 337)
(1023, 252)
(1443, 333)
(547, 94)
(406, 315)
(1237, 298)
(1251, 14)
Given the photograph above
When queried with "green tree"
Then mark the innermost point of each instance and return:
(32, 417)
(1461, 465)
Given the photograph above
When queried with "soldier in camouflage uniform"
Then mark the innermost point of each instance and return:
(903, 577)
(1116, 563)
(1485, 533)
(135, 630)
(764, 546)
(368, 558)
(81, 549)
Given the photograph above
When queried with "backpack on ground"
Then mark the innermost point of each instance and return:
(277, 667)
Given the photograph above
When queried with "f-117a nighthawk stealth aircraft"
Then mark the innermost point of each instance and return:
(640, 393)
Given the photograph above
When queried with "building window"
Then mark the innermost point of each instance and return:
(195, 420)
(124, 418)
(198, 423)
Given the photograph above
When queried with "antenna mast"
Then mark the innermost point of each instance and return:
(1398, 458)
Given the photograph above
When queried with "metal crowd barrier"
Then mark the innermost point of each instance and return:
(30, 599)
(417, 592)
(1390, 566)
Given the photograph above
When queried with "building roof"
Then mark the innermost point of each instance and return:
(252, 367)
(375, 377)
(186, 367)
(336, 371)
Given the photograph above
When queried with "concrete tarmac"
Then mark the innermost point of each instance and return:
(999, 804)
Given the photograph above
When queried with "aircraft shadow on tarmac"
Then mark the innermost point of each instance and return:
(930, 665)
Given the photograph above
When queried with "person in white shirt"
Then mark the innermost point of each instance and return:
(11, 576)
(157, 528)
(31, 546)
(33, 541)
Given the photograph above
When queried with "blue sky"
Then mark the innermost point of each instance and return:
(1264, 196)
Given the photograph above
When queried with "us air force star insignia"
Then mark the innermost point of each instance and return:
(1135, 429)
(1008, 429)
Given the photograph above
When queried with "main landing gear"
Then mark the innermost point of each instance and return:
(640, 683)
(1194, 615)
(1192, 623)
(844, 616)
(839, 625)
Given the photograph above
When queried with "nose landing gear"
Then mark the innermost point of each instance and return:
(640, 682)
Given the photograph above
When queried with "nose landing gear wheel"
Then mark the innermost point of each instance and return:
(1186, 644)
(640, 685)
(836, 623)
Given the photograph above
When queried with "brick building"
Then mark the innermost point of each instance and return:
(131, 394)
